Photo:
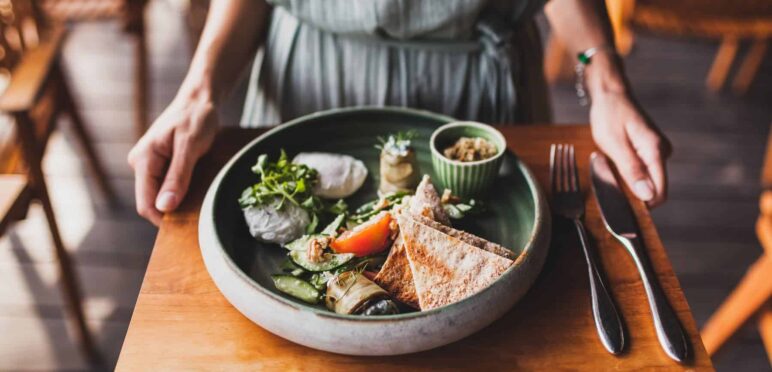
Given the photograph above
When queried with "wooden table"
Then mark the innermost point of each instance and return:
(182, 322)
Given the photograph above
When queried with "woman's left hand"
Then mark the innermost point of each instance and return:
(622, 131)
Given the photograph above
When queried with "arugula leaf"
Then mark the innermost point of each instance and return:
(340, 207)
(311, 227)
(332, 228)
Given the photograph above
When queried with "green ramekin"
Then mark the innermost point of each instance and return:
(466, 179)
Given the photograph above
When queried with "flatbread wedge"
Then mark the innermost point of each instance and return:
(426, 202)
(468, 238)
(395, 275)
(445, 269)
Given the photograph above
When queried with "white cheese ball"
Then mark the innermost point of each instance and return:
(339, 175)
(267, 224)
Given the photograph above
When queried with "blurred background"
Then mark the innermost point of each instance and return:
(710, 93)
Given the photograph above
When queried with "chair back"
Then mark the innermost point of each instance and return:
(20, 30)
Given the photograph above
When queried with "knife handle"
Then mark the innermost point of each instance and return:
(669, 331)
(607, 320)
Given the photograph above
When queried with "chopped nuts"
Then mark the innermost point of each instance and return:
(316, 248)
(445, 196)
(448, 197)
(470, 149)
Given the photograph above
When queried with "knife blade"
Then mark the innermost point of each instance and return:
(620, 221)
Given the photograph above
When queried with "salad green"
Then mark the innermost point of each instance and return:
(290, 183)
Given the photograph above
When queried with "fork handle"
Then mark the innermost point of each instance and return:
(607, 320)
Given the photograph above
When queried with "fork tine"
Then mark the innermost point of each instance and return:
(574, 169)
(564, 170)
(560, 171)
(553, 168)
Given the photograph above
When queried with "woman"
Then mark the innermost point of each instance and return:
(472, 59)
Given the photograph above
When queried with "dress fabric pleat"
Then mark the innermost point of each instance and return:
(456, 57)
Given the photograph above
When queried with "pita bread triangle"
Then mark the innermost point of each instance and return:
(395, 275)
(445, 269)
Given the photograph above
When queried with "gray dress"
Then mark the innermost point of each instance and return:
(470, 59)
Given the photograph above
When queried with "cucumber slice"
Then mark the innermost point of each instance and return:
(332, 228)
(328, 262)
(289, 267)
(298, 288)
(319, 280)
(301, 243)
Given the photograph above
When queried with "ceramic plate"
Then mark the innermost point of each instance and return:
(517, 217)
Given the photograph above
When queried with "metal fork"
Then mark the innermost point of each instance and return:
(568, 202)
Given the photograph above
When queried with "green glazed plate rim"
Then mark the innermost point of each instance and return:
(541, 214)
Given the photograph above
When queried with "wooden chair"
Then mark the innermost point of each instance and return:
(753, 296)
(729, 21)
(131, 14)
(35, 96)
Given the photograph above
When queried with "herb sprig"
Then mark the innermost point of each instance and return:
(369, 209)
(397, 144)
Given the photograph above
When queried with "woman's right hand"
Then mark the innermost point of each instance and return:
(164, 157)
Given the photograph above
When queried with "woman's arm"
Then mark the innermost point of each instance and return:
(619, 126)
(233, 31)
(164, 157)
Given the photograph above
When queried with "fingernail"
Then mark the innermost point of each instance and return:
(643, 190)
(165, 201)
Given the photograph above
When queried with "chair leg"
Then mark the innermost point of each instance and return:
(722, 63)
(554, 60)
(68, 277)
(84, 137)
(749, 67)
(141, 76)
(747, 298)
(765, 328)
(620, 12)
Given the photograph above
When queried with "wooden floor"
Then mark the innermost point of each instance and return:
(707, 226)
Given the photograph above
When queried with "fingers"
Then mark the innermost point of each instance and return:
(633, 170)
(635, 145)
(656, 169)
(653, 149)
(177, 180)
(148, 168)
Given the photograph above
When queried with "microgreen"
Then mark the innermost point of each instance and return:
(290, 183)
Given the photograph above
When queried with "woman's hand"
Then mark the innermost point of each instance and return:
(634, 144)
(619, 126)
(164, 157)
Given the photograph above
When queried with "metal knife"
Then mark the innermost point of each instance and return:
(620, 221)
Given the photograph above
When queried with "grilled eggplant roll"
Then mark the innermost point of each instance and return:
(352, 293)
